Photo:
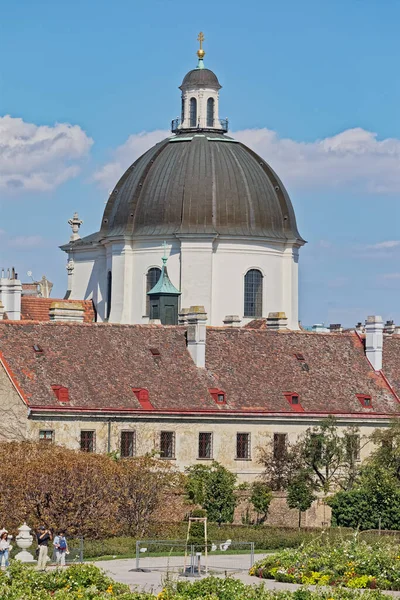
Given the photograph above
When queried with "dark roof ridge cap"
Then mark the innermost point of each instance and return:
(23, 322)
(223, 329)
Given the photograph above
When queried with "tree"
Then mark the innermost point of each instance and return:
(145, 483)
(300, 495)
(260, 498)
(83, 493)
(280, 465)
(213, 487)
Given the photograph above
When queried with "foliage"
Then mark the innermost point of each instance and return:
(213, 487)
(260, 498)
(300, 495)
(324, 454)
(83, 493)
(215, 588)
(86, 582)
(144, 484)
(197, 536)
(374, 501)
(350, 563)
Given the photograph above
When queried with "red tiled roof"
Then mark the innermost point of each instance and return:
(391, 361)
(100, 364)
(37, 309)
(256, 367)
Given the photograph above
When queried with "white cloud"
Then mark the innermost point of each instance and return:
(39, 157)
(125, 155)
(391, 276)
(353, 158)
(385, 245)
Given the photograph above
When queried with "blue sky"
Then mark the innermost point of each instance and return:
(312, 86)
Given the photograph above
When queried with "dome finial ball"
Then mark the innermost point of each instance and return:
(200, 39)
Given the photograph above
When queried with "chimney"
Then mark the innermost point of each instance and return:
(374, 341)
(10, 294)
(182, 316)
(389, 327)
(232, 321)
(196, 335)
(277, 321)
(360, 328)
(66, 311)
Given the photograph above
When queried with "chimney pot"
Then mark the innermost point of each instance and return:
(196, 335)
(374, 341)
(277, 321)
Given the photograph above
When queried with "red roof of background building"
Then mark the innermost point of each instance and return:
(38, 309)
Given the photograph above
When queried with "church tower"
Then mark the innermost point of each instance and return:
(228, 224)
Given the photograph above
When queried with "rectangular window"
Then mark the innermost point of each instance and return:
(353, 447)
(128, 444)
(205, 445)
(279, 445)
(87, 441)
(46, 435)
(167, 444)
(243, 445)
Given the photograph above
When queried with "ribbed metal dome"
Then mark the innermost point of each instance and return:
(200, 183)
(200, 78)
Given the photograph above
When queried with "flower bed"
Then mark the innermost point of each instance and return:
(86, 582)
(349, 563)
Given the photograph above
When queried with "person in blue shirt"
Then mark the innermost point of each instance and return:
(61, 546)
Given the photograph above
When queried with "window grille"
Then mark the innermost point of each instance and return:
(205, 445)
(280, 440)
(253, 293)
(353, 447)
(193, 112)
(153, 275)
(109, 290)
(128, 444)
(210, 112)
(87, 441)
(243, 445)
(167, 444)
(46, 436)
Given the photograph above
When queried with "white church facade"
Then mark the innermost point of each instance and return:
(208, 203)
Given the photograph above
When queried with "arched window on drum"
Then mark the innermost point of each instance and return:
(210, 112)
(109, 291)
(193, 112)
(153, 275)
(253, 293)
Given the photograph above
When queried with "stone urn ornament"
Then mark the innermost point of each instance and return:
(24, 541)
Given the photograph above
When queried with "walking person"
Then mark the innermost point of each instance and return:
(61, 546)
(43, 538)
(4, 550)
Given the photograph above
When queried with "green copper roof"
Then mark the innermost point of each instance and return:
(164, 284)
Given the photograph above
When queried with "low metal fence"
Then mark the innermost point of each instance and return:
(178, 556)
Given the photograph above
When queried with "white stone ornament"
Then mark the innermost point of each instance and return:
(24, 541)
(75, 224)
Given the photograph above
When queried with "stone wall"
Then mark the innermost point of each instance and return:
(13, 411)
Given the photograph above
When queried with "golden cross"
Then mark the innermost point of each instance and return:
(200, 38)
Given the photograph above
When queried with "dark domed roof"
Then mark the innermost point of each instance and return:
(200, 78)
(200, 183)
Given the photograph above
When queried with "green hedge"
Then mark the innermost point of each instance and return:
(264, 538)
